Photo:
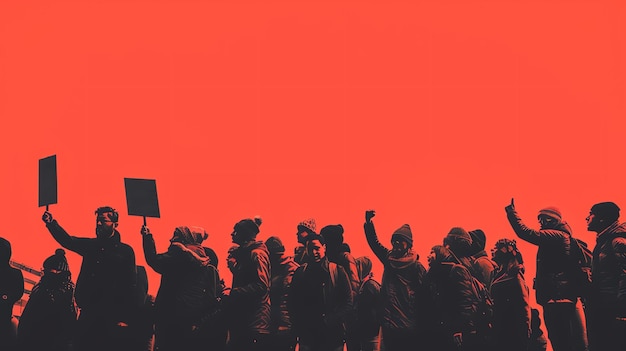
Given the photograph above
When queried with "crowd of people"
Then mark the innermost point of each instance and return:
(322, 298)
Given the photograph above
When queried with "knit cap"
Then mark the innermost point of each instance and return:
(57, 262)
(551, 212)
(333, 234)
(248, 226)
(403, 233)
(479, 239)
(274, 245)
(309, 224)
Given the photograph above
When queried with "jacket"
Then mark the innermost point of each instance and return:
(608, 270)
(283, 269)
(552, 281)
(105, 287)
(249, 299)
(511, 309)
(320, 299)
(401, 284)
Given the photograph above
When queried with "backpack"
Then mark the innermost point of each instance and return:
(580, 256)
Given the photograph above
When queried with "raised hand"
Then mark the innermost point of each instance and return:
(511, 206)
(369, 214)
(47, 217)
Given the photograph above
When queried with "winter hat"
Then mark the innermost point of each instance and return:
(551, 212)
(459, 233)
(275, 245)
(190, 235)
(248, 227)
(479, 239)
(333, 234)
(403, 233)
(606, 210)
(308, 224)
(363, 266)
(459, 241)
(56, 262)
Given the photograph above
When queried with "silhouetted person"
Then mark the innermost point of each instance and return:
(555, 290)
(368, 303)
(482, 264)
(319, 300)
(538, 341)
(305, 228)
(188, 290)
(401, 286)
(249, 299)
(337, 251)
(451, 304)
(282, 337)
(606, 303)
(510, 297)
(105, 288)
(11, 291)
(49, 318)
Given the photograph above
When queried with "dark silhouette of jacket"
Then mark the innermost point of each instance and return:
(187, 294)
(283, 269)
(105, 288)
(11, 291)
(249, 300)
(511, 309)
(401, 284)
(320, 298)
(608, 269)
(552, 281)
(451, 304)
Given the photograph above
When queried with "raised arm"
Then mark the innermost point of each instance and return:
(372, 239)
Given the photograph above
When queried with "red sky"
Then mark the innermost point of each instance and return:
(434, 113)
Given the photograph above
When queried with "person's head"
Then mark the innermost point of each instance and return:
(333, 235)
(401, 240)
(601, 216)
(231, 260)
(459, 241)
(55, 268)
(246, 230)
(505, 251)
(305, 228)
(106, 221)
(549, 218)
(5, 251)
(315, 247)
(363, 266)
(479, 239)
(275, 246)
(438, 253)
(189, 235)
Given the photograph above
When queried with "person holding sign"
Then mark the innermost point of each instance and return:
(187, 300)
(105, 288)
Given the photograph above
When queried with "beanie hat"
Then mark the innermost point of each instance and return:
(479, 239)
(308, 224)
(551, 212)
(333, 234)
(57, 262)
(460, 233)
(403, 233)
(248, 227)
(459, 241)
(274, 245)
(606, 210)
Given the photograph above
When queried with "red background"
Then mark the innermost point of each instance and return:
(434, 113)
